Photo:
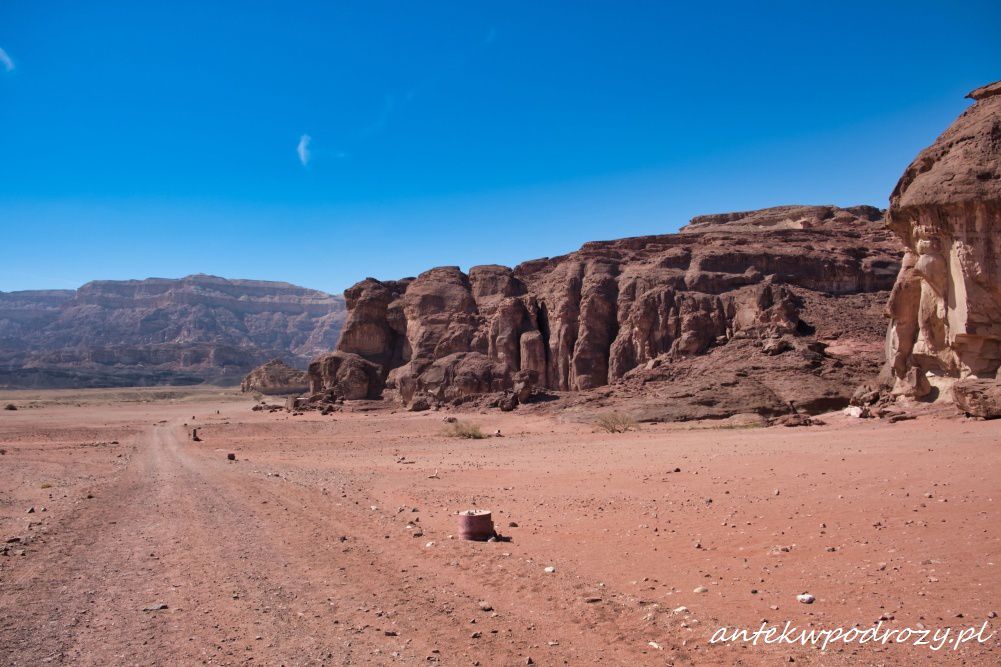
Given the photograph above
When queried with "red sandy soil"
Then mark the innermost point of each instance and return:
(298, 552)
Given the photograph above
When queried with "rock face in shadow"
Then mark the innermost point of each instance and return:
(945, 308)
(160, 331)
(275, 377)
(614, 310)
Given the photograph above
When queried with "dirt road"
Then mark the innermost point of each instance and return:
(251, 573)
(326, 542)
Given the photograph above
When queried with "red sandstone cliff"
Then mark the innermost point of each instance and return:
(615, 310)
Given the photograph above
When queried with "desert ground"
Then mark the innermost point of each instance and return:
(331, 540)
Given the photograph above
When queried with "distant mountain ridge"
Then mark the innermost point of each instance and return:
(191, 330)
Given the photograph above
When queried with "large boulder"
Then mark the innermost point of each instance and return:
(945, 308)
(345, 375)
(978, 398)
(275, 377)
(450, 379)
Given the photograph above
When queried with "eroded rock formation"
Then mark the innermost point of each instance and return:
(275, 377)
(945, 307)
(616, 309)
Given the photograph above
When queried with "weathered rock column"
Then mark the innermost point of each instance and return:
(945, 308)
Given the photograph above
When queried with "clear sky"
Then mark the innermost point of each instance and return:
(319, 143)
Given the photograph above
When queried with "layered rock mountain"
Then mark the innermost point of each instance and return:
(946, 303)
(160, 331)
(758, 290)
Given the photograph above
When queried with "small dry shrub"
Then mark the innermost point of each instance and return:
(467, 430)
(10, 406)
(615, 422)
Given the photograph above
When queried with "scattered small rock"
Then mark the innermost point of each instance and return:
(550, 569)
(231, 456)
(805, 598)
(160, 606)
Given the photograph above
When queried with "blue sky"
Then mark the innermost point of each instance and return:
(166, 138)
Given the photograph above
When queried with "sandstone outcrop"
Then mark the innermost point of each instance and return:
(945, 307)
(615, 311)
(275, 377)
(343, 375)
(160, 331)
(781, 217)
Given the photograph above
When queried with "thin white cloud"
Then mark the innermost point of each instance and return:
(303, 149)
(6, 61)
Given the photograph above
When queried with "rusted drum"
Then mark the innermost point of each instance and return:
(476, 525)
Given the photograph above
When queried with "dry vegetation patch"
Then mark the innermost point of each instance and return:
(616, 422)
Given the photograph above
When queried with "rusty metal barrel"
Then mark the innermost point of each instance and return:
(476, 525)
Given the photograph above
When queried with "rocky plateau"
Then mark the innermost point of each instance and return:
(160, 331)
